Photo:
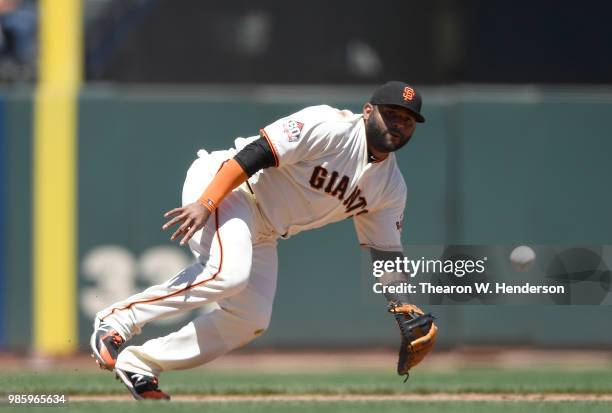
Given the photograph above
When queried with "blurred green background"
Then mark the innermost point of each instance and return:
(492, 165)
(515, 150)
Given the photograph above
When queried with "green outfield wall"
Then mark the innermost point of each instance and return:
(492, 165)
(17, 234)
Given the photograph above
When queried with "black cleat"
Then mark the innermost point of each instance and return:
(106, 343)
(141, 386)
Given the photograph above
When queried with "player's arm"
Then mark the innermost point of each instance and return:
(418, 330)
(391, 278)
(192, 217)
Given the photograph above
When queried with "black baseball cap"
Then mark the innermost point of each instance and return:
(399, 94)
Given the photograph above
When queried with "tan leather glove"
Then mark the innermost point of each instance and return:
(418, 335)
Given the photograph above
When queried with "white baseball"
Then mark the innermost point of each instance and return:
(522, 257)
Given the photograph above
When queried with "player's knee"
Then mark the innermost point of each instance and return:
(252, 328)
(243, 327)
(259, 321)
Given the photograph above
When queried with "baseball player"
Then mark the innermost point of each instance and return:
(314, 167)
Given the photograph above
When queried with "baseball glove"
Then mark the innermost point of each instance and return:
(418, 335)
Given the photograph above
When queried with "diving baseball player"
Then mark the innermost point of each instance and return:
(314, 167)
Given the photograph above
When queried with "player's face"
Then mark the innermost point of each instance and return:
(388, 127)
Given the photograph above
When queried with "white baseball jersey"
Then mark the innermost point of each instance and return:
(323, 176)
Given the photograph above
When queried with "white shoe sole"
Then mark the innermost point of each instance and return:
(94, 351)
(120, 375)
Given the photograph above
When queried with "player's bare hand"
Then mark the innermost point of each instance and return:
(190, 218)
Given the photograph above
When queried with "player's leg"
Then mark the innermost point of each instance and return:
(221, 271)
(223, 249)
(226, 325)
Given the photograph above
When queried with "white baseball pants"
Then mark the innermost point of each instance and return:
(233, 281)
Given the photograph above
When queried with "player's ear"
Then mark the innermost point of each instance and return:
(367, 109)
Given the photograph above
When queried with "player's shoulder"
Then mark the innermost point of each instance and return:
(395, 189)
(322, 113)
(397, 178)
(326, 123)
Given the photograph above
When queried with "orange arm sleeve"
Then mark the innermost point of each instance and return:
(229, 177)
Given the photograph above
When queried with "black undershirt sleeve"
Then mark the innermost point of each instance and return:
(255, 156)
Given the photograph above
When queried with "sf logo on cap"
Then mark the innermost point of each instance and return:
(408, 93)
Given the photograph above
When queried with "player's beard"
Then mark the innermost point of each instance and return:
(381, 140)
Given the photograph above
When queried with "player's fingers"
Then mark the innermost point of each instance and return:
(189, 234)
(176, 234)
(173, 212)
(182, 229)
(173, 221)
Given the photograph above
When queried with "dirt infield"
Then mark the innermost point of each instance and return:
(500, 397)
(346, 360)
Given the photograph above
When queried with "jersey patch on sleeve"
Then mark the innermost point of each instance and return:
(399, 225)
(292, 129)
